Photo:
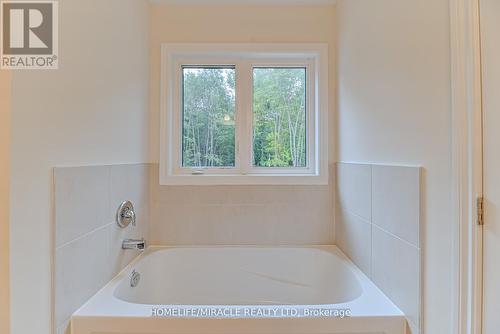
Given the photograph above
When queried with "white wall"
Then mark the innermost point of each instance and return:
(5, 86)
(92, 110)
(240, 214)
(394, 108)
(490, 26)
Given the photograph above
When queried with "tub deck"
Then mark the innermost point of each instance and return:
(240, 290)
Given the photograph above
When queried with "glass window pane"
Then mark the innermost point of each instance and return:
(279, 119)
(208, 131)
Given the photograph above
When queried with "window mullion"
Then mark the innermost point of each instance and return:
(244, 123)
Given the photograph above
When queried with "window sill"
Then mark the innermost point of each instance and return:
(255, 179)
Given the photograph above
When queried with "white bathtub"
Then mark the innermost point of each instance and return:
(254, 290)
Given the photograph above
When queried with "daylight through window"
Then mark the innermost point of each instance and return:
(239, 114)
(208, 117)
(279, 113)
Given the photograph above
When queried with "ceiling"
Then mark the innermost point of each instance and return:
(245, 2)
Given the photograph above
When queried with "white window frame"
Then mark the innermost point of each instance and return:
(245, 57)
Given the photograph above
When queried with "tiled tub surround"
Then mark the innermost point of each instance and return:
(378, 226)
(241, 215)
(86, 200)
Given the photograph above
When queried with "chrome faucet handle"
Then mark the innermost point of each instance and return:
(130, 215)
(125, 214)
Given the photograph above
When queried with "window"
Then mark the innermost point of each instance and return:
(208, 107)
(279, 117)
(244, 114)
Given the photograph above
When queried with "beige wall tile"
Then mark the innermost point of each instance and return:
(396, 201)
(354, 237)
(385, 247)
(396, 271)
(82, 197)
(85, 222)
(354, 188)
(78, 275)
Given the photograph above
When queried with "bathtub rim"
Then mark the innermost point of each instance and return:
(371, 303)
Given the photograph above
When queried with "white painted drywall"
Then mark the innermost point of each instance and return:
(92, 110)
(394, 108)
(244, 2)
(490, 25)
(5, 96)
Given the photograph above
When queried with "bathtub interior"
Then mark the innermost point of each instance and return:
(240, 276)
(245, 278)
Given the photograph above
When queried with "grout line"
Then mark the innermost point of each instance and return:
(419, 330)
(119, 164)
(379, 164)
(67, 320)
(396, 237)
(84, 235)
(366, 221)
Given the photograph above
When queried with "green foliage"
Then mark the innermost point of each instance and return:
(208, 119)
(279, 131)
(279, 117)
